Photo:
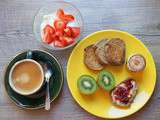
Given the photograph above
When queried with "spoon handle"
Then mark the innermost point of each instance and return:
(47, 101)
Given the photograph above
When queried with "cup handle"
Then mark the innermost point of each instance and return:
(29, 54)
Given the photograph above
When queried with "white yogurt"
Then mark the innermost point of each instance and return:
(47, 20)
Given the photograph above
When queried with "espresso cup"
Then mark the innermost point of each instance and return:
(26, 77)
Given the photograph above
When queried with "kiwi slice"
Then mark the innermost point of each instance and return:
(86, 84)
(106, 80)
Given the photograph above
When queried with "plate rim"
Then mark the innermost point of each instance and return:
(40, 106)
(128, 34)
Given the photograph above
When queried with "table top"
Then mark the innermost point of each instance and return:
(138, 17)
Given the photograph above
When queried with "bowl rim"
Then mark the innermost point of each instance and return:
(54, 48)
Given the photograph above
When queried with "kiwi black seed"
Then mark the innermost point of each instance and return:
(86, 84)
(106, 80)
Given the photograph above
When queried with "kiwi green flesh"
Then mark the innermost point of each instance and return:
(86, 84)
(106, 80)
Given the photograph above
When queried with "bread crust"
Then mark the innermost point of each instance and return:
(100, 51)
(90, 59)
(115, 51)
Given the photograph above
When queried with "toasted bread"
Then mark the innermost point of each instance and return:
(100, 52)
(90, 59)
(115, 51)
(124, 93)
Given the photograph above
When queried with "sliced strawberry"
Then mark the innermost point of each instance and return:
(59, 33)
(59, 43)
(47, 38)
(54, 37)
(60, 13)
(68, 40)
(49, 29)
(68, 31)
(75, 31)
(60, 25)
(67, 17)
(63, 16)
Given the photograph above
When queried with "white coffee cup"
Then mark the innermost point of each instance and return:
(37, 88)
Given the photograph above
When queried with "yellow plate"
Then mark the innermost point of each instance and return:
(100, 104)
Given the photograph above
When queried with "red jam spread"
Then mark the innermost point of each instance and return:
(123, 92)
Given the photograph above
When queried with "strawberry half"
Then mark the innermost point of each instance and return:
(58, 43)
(59, 33)
(48, 29)
(47, 38)
(68, 31)
(67, 18)
(54, 37)
(68, 40)
(60, 25)
(75, 31)
(60, 13)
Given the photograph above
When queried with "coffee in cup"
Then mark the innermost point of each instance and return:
(26, 77)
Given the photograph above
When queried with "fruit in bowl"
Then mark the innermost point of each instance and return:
(59, 29)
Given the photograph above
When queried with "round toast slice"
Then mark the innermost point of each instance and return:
(90, 59)
(100, 51)
(115, 51)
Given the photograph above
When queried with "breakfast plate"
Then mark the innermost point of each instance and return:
(36, 100)
(100, 103)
